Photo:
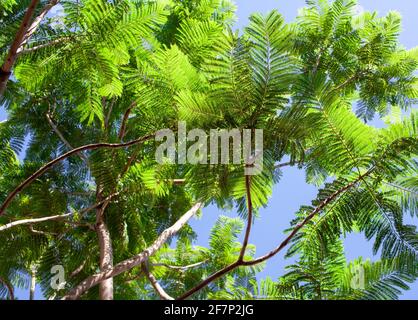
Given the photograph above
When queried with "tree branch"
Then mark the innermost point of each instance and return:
(286, 164)
(6, 68)
(250, 219)
(317, 210)
(154, 282)
(33, 221)
(78, 270)
(122, 131)
(280, 247)
(42, 233)
(135, 261)
(9, 288)
(53, 218)
(21, 50)
(36, 23)
(181, 268)
(61, 136)
(50, 164)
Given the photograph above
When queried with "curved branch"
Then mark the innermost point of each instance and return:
(78, 270)
(122, 131)
(9, 288)
(37, 22)
(52, 218)
(240, 263)
(135, 261)
(50, 164)
(6, 68)
(154, 282)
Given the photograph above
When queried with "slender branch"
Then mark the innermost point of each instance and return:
(134, 278)
(317, 210)
(52, 218)
(122, 131)
(82, 225)
(78, 270)
(33, 221)
(37, 22)
(129, 163)
(21, 50)
(348, 81)
(190, 266)
(6, 68)
(62, 138)
(109, 113)
(286, 164)
(9, 288)
(154, 282)
(50, 164)
(280, 247)
(240, 260)
(135, 261)
(250, 219)
(58, 132)
(210, 279)
(179, 181)
(42, 233)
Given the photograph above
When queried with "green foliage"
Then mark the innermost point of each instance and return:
(114, 71)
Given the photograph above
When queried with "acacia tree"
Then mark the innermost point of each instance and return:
(93, 84)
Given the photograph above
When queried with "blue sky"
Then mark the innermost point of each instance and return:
(292, 191)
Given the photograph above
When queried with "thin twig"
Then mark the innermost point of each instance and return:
(58, 132)
(287, 164)
(181, 268)
(42, 233)
(22, 50)
(62, 138)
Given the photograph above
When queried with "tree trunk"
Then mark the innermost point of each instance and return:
(106, 251)
(106, 260)
(32, 284)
